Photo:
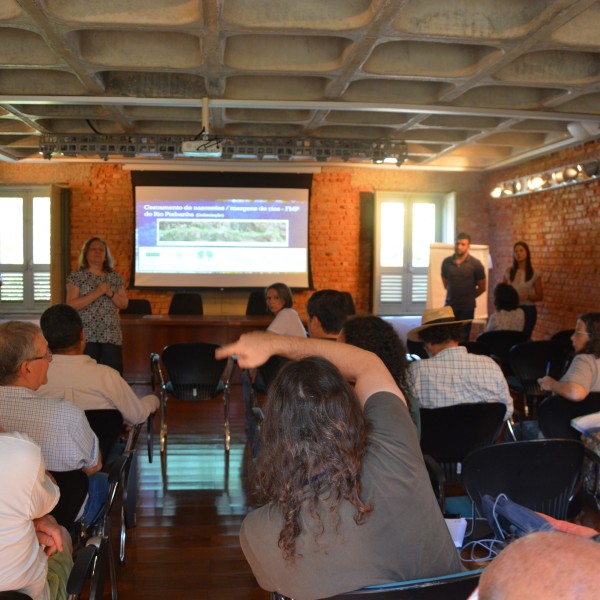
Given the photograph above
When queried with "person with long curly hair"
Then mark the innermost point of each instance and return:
(347, 499)
(528, 283)
(377, 335)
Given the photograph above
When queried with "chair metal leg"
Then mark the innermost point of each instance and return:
(99, 568)
(511, 430)
(226, 408)
(163, 423)
(150, 436)
(122, 537)
(112, 568)
(128, 503)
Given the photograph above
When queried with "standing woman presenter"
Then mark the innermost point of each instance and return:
(527, 282)
(97, 291)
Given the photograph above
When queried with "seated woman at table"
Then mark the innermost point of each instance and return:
(279, 300)
(508, 315)
(583, 375)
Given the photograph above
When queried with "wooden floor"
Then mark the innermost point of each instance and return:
(186, 543)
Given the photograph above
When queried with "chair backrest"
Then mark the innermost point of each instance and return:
(270, 369)
(350, 307)
(539, 474)
(14, 596)
(73, 487)
(500, 342)
(529, 361)
(186, 303)
(474, 347)
(563, 338)
(563, 350)
(416, 348)
(448, 434)
(257, 304)
(456, 586)
(194, 372)
(137, 306)
(555, 414)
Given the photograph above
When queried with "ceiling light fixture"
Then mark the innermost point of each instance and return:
(216, 147)
(558, 177)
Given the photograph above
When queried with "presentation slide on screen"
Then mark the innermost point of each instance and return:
(220, 236)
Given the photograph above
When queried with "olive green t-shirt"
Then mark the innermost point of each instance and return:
(405, 536)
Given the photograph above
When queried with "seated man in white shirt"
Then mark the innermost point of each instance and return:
(35, 552)
(97, 389)
(452, 375)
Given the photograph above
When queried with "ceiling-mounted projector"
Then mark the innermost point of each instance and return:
(202, 148)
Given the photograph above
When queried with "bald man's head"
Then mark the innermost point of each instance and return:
(548, 565)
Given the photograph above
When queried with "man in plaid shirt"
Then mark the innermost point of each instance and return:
(452, 375)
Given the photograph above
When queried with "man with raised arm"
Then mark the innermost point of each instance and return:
(347, 498)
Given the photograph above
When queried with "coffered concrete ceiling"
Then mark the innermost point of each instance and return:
(468, 84)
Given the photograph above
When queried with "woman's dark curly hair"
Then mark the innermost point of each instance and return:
(313, 439)
(591, 321)
(378, 336)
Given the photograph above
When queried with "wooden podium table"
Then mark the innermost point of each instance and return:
(151, 333)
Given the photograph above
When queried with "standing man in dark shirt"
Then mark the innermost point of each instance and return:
(463, 277)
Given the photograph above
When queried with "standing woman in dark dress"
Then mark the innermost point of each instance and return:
(527, 282)
(97, 291)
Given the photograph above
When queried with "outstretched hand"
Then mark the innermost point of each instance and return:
(251, 350)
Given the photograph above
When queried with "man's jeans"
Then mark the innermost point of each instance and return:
(97, 497)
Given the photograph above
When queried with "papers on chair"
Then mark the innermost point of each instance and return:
(587, 424)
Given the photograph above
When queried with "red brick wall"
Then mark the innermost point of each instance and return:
(561, 226)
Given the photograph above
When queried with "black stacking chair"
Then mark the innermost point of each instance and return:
(97, 560)
(450, 433)
(129, 480)
(416, 349)
(555, 414)
(350, 307)
(107, 424)
(186, 303)
(499, 343)
(528, 362)
(73, 487)
(137, 306)
(474, 347)
(539, 474)
(456, 586)
(563, 351)
(257, 304)
(194, 375)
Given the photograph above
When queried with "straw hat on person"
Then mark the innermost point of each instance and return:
(431, 318)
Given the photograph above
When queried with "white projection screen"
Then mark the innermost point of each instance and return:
(221, 236)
